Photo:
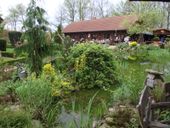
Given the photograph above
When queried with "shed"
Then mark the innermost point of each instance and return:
(161, 31)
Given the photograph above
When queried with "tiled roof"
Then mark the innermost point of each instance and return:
(161, 31)
(103, 24)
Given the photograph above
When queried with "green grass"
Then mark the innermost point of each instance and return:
(3, 90)
(8, 60)
(131, 74)
(10, 50)
(14, 118)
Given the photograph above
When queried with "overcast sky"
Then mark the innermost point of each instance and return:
(51, 6)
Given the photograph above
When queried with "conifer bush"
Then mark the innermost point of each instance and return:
(91, 65)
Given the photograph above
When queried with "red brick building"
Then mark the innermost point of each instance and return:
(112, 29)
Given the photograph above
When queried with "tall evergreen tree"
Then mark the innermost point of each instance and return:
(35, 26)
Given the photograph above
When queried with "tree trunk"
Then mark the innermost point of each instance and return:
(168, 16)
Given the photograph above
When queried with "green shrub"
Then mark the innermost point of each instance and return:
(61, 50)
(2, 45)
(131, 53)
(91, 65)
(167, 39)
(167, 43)
(14, 119)
(9, 45)
(157, 92)
(164, 115)
(156, 38)
(7, 54)
(14, 37)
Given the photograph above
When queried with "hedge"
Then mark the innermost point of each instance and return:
(2, 45)
(14, 37)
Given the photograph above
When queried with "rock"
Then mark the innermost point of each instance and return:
(37, 124)
(15, 107)
(109, 120)
(117, 116)
(104, 126)
(111, 109)
(123, 106)
(112, 47)
(95, 123)
(5, 99)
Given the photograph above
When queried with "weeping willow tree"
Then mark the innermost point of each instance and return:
(35, 27)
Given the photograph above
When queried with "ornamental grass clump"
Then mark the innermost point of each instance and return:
(91, 65)
(14, 118)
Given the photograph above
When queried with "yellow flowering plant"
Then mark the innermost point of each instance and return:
(132, 57)
(80, 62)
(61, 87)
(133, 43)
(48, 70)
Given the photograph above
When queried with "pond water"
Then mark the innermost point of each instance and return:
(80, 99)
(78, 102)
(71, 119)
(75, 110)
